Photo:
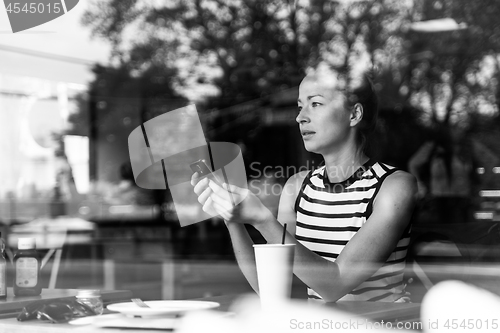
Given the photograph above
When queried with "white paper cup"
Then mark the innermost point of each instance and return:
(274, 272)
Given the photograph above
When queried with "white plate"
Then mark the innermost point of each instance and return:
(118, 320)
(158, 308)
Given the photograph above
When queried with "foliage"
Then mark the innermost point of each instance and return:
(117, 95)
(226, 53)
(236, 51)
(454, 73)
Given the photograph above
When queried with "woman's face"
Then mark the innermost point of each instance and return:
(324, 122)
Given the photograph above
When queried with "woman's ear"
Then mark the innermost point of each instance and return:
(356, 114)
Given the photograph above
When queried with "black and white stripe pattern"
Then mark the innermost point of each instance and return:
(329, 215)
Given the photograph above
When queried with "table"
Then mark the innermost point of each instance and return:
(10, 307)
(13, 305)
(371, 310)
(375, 311)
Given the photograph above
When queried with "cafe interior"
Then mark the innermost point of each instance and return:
(69, 172)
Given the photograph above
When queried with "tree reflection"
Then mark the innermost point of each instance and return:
(221, 53)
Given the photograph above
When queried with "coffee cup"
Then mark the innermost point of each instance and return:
(274, 272)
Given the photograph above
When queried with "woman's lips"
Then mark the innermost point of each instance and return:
(307, 134)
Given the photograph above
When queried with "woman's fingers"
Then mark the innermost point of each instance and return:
(221, 196)
(231, 188)
(206, 197)
(224, 194)
(207, 206)
(195, 178)
(215, 187)
(211, 207)
(202, 198)
(216, 199)
(201, 186)
(235, 189)
(223, 201)
(228, 190)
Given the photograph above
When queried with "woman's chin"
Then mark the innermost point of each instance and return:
(311, 148)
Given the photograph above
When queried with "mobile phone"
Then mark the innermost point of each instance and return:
(203, 170)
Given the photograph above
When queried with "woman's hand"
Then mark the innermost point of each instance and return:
(232, 203)
(203, 191)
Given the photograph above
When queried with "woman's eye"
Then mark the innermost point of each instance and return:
(315, 104)
(299, 108)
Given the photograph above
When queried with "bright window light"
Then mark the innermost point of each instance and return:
(489, 193)
(483, 215)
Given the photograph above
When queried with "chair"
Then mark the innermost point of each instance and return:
(436, 249)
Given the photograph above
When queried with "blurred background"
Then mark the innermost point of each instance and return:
(72, 90)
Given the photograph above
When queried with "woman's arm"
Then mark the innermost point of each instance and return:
(243, 244)
(240, 239)
(244, 253)
(286, 209)
(365, 253)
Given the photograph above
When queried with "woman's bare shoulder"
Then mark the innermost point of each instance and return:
(298, 178)
(400, 186)
(401, 180)
(293, 184)
(286, 211)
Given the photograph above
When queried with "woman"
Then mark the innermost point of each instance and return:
(349, 218)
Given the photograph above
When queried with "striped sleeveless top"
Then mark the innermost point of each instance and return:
(330, 214)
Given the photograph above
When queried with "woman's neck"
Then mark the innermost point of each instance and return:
(342, 165)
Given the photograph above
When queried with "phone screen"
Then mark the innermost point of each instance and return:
(202, 168)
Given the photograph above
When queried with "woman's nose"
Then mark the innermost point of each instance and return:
(302, 117)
